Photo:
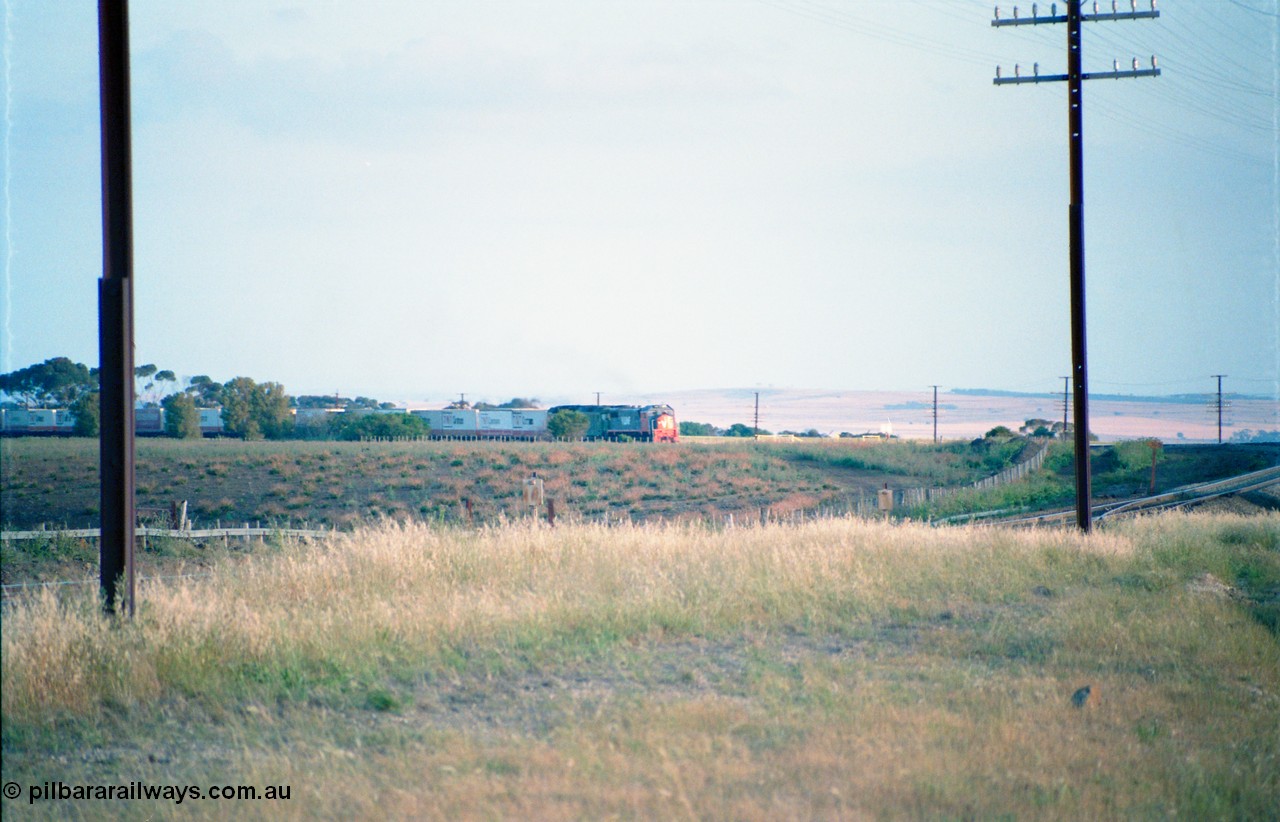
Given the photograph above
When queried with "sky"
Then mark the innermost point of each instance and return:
(412, 199)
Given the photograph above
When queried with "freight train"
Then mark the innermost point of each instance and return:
(644, 423)
(44, 422)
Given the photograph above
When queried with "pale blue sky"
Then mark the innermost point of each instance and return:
(414, 199)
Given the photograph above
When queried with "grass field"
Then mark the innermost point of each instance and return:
(832, 669)
(55, 482)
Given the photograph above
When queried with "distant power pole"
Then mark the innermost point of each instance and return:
(1075, 214)
(1066, 403)
(1219, 379)
(756, 425)
(597, 399)
(935, 413)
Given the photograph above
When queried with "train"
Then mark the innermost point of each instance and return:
(643, 423)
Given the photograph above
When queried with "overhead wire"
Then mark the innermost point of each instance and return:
(1209, 85)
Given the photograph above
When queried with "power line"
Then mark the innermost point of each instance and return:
(1263, 12)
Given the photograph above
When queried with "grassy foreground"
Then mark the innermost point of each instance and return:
(832, 669)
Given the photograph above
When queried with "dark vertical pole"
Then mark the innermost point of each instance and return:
(935, 413)
(1219, 378)
(756, 429)
(115, 311)
(1066, 404)
(1075, 123)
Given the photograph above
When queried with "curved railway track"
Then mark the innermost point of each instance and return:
(1183, 497)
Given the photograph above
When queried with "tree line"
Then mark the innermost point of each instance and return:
(249, 409)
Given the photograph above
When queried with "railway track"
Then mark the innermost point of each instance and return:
(1185, 496)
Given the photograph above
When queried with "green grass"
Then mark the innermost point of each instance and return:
(830, 669)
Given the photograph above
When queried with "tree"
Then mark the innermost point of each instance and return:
(378, 426)
(740, 430)
(56, 382)
(271, 409)
(252, 411)
(567, 424)
(181, 419)
(87, 412)
(206, 392)
(698, 429)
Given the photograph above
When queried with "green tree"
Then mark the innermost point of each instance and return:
(181, 419)
(698, 429)
(378, 426)
(88, 414)
(237, 409)
(271, 409)
(252, 411)
(56, 382)
(567, 424)
(206, 391)
(740, 430)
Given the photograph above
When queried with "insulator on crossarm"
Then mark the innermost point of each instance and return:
(1133, 5)
(1135, 64)
(1153, 61)
(997, 12)
(1153, 5)
(997, 72)
(1115, 65)
(1095, 7)
(1035, 69)
(1034, 10)
(1015, 12)
(1113, 6)
(1017, 70)
(1053, 9)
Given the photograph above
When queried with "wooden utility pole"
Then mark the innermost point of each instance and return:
(935, 413)
(1066, 404)
(1074, 79)
(756, 424)
(1219, 377)
(115, 313)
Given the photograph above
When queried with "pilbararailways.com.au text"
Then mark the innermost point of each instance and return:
(137, 790)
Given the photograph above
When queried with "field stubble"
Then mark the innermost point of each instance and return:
(833, 669)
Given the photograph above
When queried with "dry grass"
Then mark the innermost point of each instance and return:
(838, 669)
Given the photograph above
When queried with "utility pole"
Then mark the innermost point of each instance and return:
(1219, 379)
(935, 414)
(1066, 403)
(1074, 79)
(116, 447)
(756, 424)
(597, 399)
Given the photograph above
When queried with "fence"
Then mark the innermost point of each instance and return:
(919, 496)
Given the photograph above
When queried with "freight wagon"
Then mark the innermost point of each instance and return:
(148, 422)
